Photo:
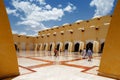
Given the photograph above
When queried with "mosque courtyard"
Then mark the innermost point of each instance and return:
(67, 66)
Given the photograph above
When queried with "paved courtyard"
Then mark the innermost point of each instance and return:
(45, 66)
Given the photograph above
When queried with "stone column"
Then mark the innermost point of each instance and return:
(110, 61)
(8, 59)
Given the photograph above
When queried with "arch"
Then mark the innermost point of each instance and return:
(44, 47)
(41, 45)
(89, 45)
(16, 47)
(50, 47)
(38, 47)
(102, 47)
(66, 46)
(58, 47)
(76, 47)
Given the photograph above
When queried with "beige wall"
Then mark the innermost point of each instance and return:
(24, 42)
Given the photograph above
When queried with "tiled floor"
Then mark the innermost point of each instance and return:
(37, 66)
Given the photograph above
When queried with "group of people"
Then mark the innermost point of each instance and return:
(86, 53)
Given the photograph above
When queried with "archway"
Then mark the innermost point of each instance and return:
(66, 46)
(41, 47)
(102, 46)
(50, 47)
(89, 45)
(16, 47)
(38, 47)
(58, 46)
(76, 47)
(44, 47)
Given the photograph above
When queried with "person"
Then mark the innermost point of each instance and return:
(81, 51)
(89, 53)
(55, 52)
(60, 52)
(84, 53)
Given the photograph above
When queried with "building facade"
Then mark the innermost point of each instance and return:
(71, 37)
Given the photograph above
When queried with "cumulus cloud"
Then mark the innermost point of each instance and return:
(48, 7)
(41, 2)
(33, 15)
(70, 7)
(103, 7)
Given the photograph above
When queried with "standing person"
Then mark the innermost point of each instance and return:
(84, 53)
(81, 51)
(89, 53)
(55, 52)
(60, 52)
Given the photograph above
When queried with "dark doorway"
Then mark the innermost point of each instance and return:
(89, 45)
(102, 46)
(58, 45)
(76, 47)
(16, 48)
(50, 47)
(66, 46)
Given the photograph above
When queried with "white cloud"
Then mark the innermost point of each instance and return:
(12, 11)
(29, 23)
(35, 34)
(103, 7)
(78, 21)
(32, 15)
(22, 33)
(14, 32)
(70, 8)
(48, 7)
(46, 15)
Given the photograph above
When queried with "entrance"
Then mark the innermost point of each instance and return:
(50, 47)
(16, 48)
(76, 47)
(102, 46)
(89, 45)
(66, 46)
(58, 45)
(44, 47)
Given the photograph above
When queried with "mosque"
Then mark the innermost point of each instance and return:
(71, 37)
(31, 59)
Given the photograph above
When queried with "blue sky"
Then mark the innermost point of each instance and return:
(27, 17)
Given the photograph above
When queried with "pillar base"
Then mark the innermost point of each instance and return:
(9, 77)
(109, 75)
